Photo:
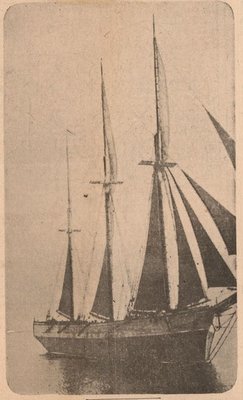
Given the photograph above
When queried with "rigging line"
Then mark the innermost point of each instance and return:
(224, 324)
(225, 330)
(212, 356)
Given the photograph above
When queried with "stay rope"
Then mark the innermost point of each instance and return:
(227, 327)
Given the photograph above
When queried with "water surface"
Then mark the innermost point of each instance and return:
(31, 371)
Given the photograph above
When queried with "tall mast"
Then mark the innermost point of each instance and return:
(162, 106)
(69, 208)
(157, 137)
(156, 242)
(103, 304)
(108, 192)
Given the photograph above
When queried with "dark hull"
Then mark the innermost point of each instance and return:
(187, 347)
(180, 337)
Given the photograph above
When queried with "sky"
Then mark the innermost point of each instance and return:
(52, 83)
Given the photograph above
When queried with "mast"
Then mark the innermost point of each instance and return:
(186, 250)
(108, 211)
(157, 137)
(159, 163)
(66, 305)
(162, 106)
(69, 208)
(104, 299)
(155, 263)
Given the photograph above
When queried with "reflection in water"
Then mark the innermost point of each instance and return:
(77, 377)
(29, 371)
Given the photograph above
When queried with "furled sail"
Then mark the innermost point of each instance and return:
(161, 137)
(227, 141)
(110, 159)
(66, 307)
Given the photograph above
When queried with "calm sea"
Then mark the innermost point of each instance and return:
(31, 371)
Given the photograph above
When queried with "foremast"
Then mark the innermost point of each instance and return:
(66, 304)
(104, 301)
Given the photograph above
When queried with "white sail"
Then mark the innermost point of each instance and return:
(171, 248)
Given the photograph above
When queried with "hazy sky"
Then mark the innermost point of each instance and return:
(52, 82)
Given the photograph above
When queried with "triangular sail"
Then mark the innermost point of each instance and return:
(217, 271)
(190, 288)
(102, 302)
(189, 244)
(188, 231)
(153, 287)
(202, 214)
(227, 141)
(225, 221)
(66, 307)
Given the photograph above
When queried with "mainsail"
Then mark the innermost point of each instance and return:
(153, 288)
(190, 234)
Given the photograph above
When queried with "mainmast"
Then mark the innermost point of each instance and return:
(161, 101)
(108, 211)
(157, 137)
(185, 252)
(156, 295)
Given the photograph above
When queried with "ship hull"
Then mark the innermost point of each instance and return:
(181, 337)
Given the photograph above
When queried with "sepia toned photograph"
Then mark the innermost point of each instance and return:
(120, 221)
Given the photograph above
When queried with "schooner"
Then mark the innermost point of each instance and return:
(186, 278)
